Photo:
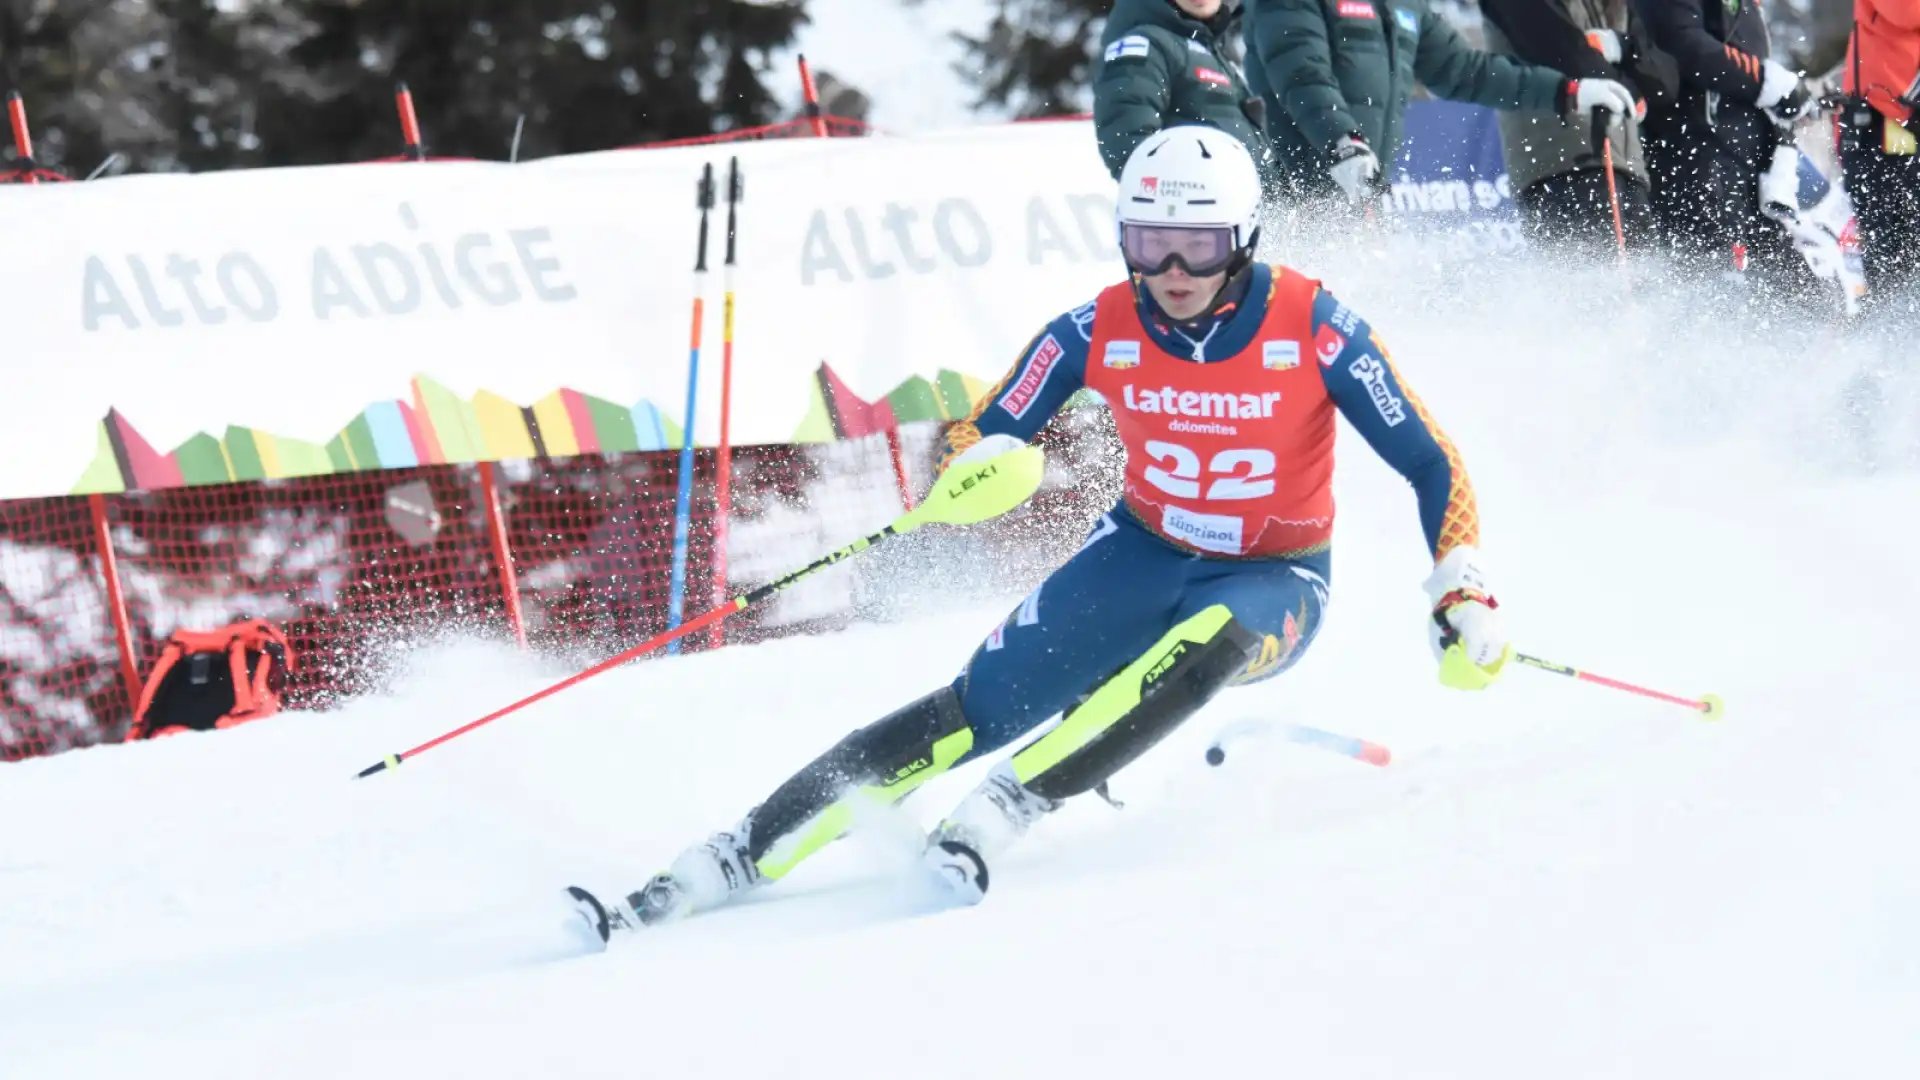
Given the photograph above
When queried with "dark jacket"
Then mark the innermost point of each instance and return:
(1540, 145)
(1328, 68)
(1160, 67)
(1717, 46)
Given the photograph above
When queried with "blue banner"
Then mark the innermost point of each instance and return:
(1451, 180)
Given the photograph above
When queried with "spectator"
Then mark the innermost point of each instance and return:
(1164, 62)
(1558, 174)
(1708, 146)
(1336, 76)
(1877, 140)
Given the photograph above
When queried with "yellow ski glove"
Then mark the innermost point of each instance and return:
(1465, 631)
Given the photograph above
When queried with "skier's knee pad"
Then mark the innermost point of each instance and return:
(888, 758)
(1131, 712)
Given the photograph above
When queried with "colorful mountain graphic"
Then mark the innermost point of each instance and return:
(435, 426)
(836, 412)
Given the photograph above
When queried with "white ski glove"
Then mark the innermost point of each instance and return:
(1465, 629)
(1783, 94)
(989, 446)
(1607, 43)
(1586, 95)
(1355, 168)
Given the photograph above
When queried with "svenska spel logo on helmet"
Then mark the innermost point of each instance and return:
(1159, 188)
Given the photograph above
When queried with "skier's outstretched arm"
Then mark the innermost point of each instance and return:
(1368, 391)
(1052, 367)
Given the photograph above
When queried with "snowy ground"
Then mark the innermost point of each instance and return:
(1550, 880)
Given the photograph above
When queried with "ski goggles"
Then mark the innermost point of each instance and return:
(1200, 250)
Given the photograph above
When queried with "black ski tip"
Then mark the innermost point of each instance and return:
(592, 913)
(970, 885)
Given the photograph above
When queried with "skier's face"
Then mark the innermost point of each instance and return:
(1183, 296)
(1199, 9)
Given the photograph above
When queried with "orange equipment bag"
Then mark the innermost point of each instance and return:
(212, 679)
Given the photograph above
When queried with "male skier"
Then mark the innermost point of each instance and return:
(1223, 376)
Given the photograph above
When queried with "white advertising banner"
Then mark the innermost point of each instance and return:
(188, 329)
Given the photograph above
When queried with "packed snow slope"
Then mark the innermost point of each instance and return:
(1549, 880)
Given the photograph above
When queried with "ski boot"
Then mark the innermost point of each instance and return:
(986, 823)
(704, 876)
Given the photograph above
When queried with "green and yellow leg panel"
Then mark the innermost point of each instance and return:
(1132, 711)
(880, 764)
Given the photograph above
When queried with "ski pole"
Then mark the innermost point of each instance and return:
(1710, 706)
(683, 499)
(1359, 749)
(961, 497)
(723, 470)
(1605, 142)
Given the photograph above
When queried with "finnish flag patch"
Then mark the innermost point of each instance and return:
(1131, 45)
(1408, 21)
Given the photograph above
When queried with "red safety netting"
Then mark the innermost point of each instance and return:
(358, 567)
(593, 537)
(59, 672)
(347, 565)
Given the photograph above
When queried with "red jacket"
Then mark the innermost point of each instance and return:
(1887, 40)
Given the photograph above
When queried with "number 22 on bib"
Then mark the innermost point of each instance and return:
(1230, 457)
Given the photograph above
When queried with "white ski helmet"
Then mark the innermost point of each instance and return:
(1189, 195)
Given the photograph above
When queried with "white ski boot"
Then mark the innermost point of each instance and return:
(987, 822)
(704, 876)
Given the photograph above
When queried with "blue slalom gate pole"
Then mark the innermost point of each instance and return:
(683, 500)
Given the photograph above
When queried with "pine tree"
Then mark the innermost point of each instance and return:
(586, 74)
(84, 69)
(1036, 56)
(210, 84)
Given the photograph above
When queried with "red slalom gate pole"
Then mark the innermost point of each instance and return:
(1708, 705)
(22, 135)
(723, 480)
(116, 602)
(497, 535)
(409, 122)
(897, 452)
(812, 94)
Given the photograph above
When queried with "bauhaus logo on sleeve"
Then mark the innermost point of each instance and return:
(1033, 378)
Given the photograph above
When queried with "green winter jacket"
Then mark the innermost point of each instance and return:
(1160, 67)
(1328, 68)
